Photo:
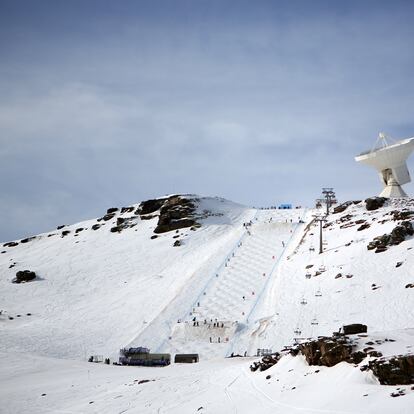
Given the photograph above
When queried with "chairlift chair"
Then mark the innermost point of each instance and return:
(297, 331)
(311, 249)
(318, 293)
(308, 275)
(303, 301)
(314, 321)
(322, 268)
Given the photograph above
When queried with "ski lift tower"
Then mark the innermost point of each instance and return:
(390, 162)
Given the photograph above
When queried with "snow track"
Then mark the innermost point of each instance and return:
(227, 303)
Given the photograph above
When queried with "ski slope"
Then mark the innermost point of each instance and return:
(226, 304)
(98, 291)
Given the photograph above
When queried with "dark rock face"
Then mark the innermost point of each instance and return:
(108, 217)
(177, 243)
(176, 213)
(397, 236)
(398, 370)
(28, 239)
(363, 226)
(150, 206)
(169, 225)
(60, 227)
(401, 215)
(148, 217)
(24, 276)
(326, 351)
(329, 351)
(266, 362)
(127, 209)
(342, 207)
(79, 230)
(374, 203)
(96, 226)
(10, 244)
(111, 210)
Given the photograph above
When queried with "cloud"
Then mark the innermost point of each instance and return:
(258, 104)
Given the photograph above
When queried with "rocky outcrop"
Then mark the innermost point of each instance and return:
(24, 276)
(10, 244)
(401, 215)
(374, 203)
(342, 207)
(397, 236)
(127, 209)
(266, 362)
(150, 206)
(329, 351)
(176, 213)
(398, 370)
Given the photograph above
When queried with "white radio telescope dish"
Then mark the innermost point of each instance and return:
(390, 162)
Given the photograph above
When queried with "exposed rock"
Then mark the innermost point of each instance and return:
(154, 237)
(397, 236)
(150, 206)
(176, 213)
(24, 276)
(399, 264)
(409, 285)
(111, 210)
(27, 239)
(79, 230)
(148, 217)
(363, 226)
(342, 207)
(65, 233)
(10, 244)
(96, 226)
(354, 328)
(374, 203)
(127, 209)
(173, 225)
(339, 275)
(266, 362)
(177, 243)
(60, 227)
(329, 351)
(116, 229)
(398, 370)
(401, 215)
(107, 217)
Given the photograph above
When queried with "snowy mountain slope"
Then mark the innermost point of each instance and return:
(45, 385)
(98, 290)
(224, 306)
(346, 284)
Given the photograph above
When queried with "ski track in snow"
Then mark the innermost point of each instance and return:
(100, 291)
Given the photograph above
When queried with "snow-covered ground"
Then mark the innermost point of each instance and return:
(264, 283)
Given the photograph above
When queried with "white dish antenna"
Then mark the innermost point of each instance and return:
(390, 162)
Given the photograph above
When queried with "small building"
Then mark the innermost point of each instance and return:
(186, 358)
(353, 329)
(285, 206)
(142, 356)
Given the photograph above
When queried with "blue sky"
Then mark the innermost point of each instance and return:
(108, 103)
